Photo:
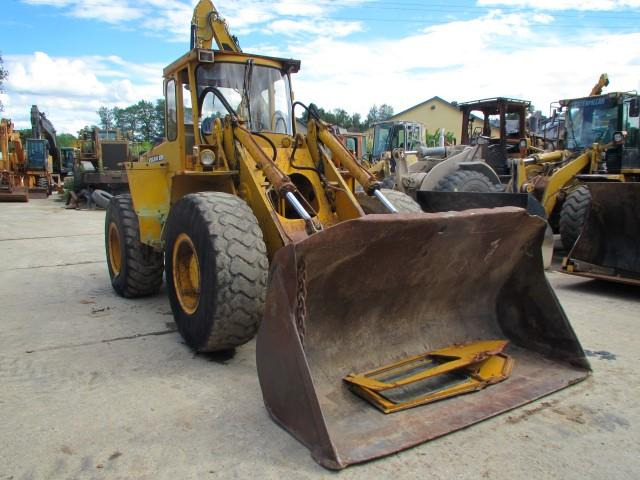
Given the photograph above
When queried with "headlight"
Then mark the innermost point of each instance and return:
(618, 137)
(207, 158)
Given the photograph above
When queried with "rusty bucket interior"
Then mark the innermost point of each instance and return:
(609, 246)
(379, 289)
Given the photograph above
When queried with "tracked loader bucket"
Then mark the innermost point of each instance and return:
(609, 246)
(371, 303)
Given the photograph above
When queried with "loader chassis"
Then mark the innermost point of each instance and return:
(256, 225)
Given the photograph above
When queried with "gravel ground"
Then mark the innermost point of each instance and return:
(95, 386)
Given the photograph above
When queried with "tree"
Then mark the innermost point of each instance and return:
(106, 117)
(158, 130)
(3, 76)
(378, 114)
(66, 140)
(145, 114)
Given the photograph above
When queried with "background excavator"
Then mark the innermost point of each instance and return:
(13, 182)
(43, 156)
(256, 226)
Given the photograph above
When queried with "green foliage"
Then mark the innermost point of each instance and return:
(379, 114)
(142, 121)
(3, 76)
(353, 122)
(65, 140)
(433, 139)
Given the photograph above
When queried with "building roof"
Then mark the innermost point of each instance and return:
(449, 104)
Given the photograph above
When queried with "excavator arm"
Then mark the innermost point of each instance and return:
(603, 81)
(208, 25)
(41, 127)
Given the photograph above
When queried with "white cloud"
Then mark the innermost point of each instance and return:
(170, 19)
(70, 90)
(329, 28)
(507, 54)
(593, 5)
(497, 55)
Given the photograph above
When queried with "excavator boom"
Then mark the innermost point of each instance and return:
(207, 25)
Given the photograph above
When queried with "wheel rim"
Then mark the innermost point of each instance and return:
(186, 273)
(115, 256)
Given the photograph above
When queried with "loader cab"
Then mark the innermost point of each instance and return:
(387, 136)
(595, 119)
(206, 85)
(68, 156)
(37, 154)
(504, 122)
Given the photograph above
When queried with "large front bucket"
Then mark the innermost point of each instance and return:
(609, 246)
(382, 288)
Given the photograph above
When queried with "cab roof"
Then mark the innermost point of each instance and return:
(201, 55)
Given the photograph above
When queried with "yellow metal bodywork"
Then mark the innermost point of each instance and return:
(553, 173)
(477, 365)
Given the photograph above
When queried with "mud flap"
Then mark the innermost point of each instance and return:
(609, 246)
(379, 289)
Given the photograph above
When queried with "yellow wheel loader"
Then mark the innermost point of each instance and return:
(374, 318)
(591, 189)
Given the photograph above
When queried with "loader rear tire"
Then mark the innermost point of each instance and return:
(217, 270)
(403, 202)
(135, 269)
(573, 215)
(465, 181)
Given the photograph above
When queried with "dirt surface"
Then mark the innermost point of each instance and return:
(95, 386)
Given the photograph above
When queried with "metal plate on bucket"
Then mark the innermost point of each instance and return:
(433, 376)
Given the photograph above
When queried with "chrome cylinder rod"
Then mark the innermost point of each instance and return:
(298, 207)
(387, 204)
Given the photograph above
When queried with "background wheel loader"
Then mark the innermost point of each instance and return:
(13, 182)
(98, 170)
(257, 226)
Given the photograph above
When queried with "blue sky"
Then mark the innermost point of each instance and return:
(71, 56)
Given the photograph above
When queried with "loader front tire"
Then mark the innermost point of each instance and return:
(217, 268)
(135, 269)
(573, 215)
(403, 202)
(465, 181)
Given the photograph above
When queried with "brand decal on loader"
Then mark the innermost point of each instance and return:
(156, 159)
